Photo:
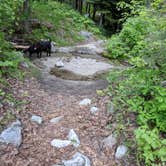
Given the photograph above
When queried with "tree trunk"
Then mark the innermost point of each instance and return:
(94, 12)
(26, 11)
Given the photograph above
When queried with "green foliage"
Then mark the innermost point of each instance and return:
(9, 14)
(131, 38)
(152, 145)
(9, 59)
(138, 89)
(65, 23)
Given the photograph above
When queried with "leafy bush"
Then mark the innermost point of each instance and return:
(131, 39)
(9, 59)
(9, 14)
(65, 22)
(138, 89)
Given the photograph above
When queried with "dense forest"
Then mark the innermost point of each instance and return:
(135, 35)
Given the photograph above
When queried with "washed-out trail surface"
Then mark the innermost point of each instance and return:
(63, 121)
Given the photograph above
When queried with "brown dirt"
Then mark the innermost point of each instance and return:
(36, 149)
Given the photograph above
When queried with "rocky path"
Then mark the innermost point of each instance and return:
(71, 124)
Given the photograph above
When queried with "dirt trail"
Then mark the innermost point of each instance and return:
(52, 97)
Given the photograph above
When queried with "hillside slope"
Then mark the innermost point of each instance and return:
(58, 22)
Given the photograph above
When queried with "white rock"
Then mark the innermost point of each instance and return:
(37, 119)
(72, 136)
(94, 110)
(110, 141)
(85, 102)
(120, 152)
(60, 143)
(78, 160)
(12, 135)
(59, 64)
(56, 120)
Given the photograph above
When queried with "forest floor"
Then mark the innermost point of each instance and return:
(51, 97)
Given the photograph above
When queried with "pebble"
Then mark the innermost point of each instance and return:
(120, 152)
(56, 120)
(94, 110)
(85, 102)
(37, 119)
(60, 143)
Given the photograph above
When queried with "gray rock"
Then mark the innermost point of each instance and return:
(24, 65)
(56, 120)
(72, 136)
(59, 64)
(93, 48)
(85, 102)
(78, 160)
(37, 119)
(120, 152)
(109, 142)
(60, 143)
(94, 110)
(12, 135)
(86, 34)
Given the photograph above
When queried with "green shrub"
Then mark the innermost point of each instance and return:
(9, 59)
(131, 39)
(138, 89)
(66, 23)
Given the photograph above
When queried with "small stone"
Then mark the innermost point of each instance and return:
(37, 119)
(24, 65)
(77, 160)
(59, 64)
(56, 120)
(72, 136)
(94, 110)
(109, 142)
(12, 135)
(85, 102)
(60, 143)
(120, 152)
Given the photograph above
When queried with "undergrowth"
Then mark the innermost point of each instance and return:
(138, 88)
(65, 23)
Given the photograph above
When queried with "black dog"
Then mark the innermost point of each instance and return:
(39, 47)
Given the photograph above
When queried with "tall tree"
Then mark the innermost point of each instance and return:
(26, 11)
